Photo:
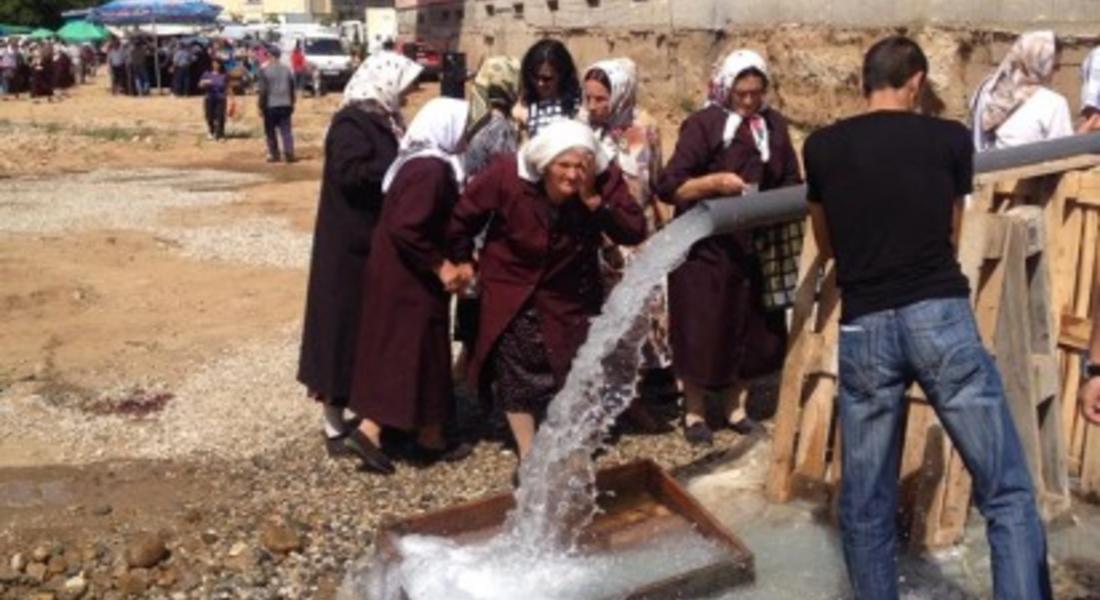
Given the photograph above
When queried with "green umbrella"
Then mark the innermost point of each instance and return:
(41, 34)
(6, 29)
(82, 31)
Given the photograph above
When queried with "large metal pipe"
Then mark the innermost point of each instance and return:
(775, 206)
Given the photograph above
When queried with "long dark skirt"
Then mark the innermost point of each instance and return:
(42, 82)
(523, 378)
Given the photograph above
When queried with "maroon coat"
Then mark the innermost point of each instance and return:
(718, 328)
(530, 256)
(403, 365)
(359, 148)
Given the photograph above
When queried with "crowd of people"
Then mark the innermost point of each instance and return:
(516, 211)
(44, 70)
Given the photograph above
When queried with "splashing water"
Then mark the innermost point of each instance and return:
(557, 495)
(556, 498)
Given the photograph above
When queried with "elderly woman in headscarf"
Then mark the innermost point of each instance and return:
(547, 210)
(492, 130)
(403, 366)
(1015, 104)
(721, 331)
(360, 145)
(630, 136)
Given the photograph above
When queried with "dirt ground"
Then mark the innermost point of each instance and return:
(151, 289)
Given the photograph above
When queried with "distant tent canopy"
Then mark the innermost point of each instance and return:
(75, 15)
(41, 34)
(83, 31)
(139, 12)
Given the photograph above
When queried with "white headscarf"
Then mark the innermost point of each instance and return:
(721, 84)
(382, 77)
(437, 132)
(554, 139)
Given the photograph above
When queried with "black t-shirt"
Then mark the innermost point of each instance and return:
(888, 181)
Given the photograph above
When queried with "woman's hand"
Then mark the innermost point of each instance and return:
(589, 195)
(727, 184)
(454, 277)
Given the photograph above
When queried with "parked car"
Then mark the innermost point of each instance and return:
(428, 57)
(327, 58)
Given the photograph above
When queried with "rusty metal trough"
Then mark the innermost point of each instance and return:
(639, 502)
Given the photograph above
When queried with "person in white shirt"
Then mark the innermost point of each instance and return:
(1015, 104)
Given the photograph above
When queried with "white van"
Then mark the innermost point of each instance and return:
(328, 57)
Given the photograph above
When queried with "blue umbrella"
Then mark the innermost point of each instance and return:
(140, 12)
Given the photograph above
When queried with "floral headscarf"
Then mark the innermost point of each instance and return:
(721, 85)
(1028, 66)
(622, 74)
(496, 84)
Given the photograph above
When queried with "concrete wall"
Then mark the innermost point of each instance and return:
(723, 14)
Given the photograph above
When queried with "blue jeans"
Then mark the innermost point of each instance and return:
(936, 344)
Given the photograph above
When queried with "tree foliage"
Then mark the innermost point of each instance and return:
(40, 13)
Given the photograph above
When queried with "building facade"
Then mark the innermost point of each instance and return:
(291, 11)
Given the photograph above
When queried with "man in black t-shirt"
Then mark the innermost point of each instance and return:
(885, 192)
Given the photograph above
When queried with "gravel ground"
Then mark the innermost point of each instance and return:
(215, 412)
(138, 200)
(262, 512)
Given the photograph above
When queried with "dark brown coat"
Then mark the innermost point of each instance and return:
(403, 365)
(530, 255)
(718, 328)
(358, 150)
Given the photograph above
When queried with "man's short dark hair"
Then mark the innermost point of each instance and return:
(891, 62)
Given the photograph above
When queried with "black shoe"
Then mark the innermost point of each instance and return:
(336, 448)
(272, 159)
(289, 158)
(373, 458)
(429, 456)
(699, 434)
(745, 426)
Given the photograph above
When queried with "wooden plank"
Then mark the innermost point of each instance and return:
(987, 305)
(1044, 377)
(1074, 332)
(1086, 272)
(813, 435)
(1090, 469)
(921, 471)
(1088, 190)
(820, 407)
(1012, 346)
(1072, 423)
(1064, 227)
(795, 364)
(956, 503)
(1019, 188)
(1081, 161)
(973, 241)
(1032, 218)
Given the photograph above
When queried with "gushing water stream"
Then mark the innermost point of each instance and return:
(557, 495)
